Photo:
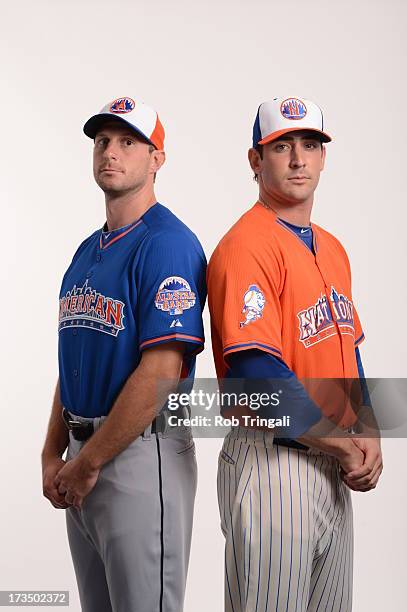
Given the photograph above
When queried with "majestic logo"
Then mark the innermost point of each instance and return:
(293, 108)
(85, 307)
(254, 302)
(174, 295)
(122, 105)
(321, 320)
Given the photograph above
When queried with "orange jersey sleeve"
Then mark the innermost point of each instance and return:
(359, 335)
(244, 287)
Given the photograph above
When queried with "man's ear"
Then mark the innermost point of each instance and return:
(323, 156)
(254, 160)
(157, 159)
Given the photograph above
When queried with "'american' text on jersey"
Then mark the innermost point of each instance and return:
(88, 308)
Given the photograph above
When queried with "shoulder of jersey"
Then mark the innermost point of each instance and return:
(163, 225)
(248, 233)
(86, 241)
(330, 238)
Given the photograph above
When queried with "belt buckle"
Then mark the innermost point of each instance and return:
(80, 431)
(70, 423)
(74, 424)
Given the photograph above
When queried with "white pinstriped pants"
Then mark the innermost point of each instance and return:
(287, 520)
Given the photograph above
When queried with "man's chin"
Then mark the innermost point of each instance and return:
(296, 196)
(110, 187)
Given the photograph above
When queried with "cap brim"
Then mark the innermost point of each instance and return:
(324, 136)
(94, 124)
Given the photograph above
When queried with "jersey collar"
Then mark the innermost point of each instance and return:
(268, 211)
(107, 238)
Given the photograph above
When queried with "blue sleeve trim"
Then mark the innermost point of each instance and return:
(365, 391)
(251, 345)
(177, 337)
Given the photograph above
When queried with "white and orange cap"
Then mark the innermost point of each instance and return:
(278, 116)
(137, 115)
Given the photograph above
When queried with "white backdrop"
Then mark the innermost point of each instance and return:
(205, 67)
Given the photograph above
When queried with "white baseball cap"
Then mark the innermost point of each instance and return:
(137, 115)
(281, 115)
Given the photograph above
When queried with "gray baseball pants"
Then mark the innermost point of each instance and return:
(130, 541)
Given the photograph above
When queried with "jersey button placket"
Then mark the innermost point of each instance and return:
(99, 251)
(327, 286)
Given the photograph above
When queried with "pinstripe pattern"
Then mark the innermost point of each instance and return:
(287, 520)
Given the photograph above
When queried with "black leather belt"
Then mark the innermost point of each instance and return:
(80, 431)
(83, 431)
(290, 443)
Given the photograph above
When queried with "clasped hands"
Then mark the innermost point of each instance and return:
(361, 469)
(68, 483)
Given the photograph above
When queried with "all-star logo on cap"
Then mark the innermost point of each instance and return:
(293, 108)
(136, 115)
(122, 105)
(279, 116)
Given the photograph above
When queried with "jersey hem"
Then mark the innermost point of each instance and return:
(243, 346)
(171, 337)
(360, 339)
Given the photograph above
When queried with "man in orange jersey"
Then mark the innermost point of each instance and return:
(281, 307)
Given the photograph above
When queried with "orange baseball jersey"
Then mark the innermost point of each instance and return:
(268, 291)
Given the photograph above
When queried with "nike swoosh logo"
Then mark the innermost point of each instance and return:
(304, 230)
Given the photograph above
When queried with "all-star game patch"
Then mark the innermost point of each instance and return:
(174, 296)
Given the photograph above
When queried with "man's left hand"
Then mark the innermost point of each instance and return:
(76, 480)
(366, 477)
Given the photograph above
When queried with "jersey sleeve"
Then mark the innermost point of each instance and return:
(266, 373)
(244, 288)
(359, 334)
(171, 291)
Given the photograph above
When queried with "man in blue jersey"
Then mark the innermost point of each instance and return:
(130, 326)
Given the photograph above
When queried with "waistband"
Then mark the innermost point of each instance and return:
(159, 425)
(96, 421)
(267, 439)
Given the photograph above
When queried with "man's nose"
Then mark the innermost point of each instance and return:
(297, 158)
(110, 151)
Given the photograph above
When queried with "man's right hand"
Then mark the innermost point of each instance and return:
(50, 468)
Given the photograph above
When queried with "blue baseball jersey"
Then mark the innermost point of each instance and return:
(125, 291)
